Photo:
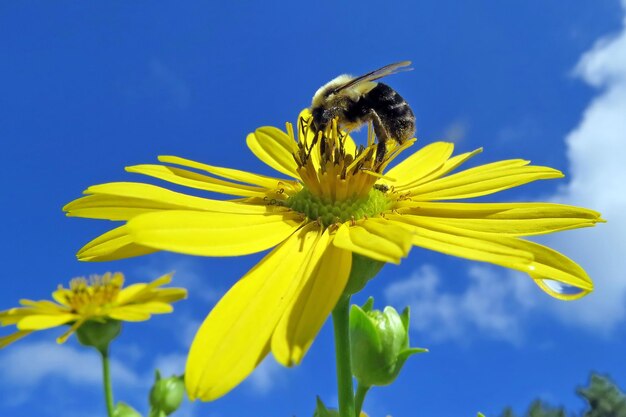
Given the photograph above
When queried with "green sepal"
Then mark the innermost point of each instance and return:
(480, 415)
(368, 306)
(124, 410)
(98, 334)
(363, 270)
(322, 411)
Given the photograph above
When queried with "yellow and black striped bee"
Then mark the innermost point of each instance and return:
(355, 101)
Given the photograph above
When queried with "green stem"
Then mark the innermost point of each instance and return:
(361, 392)
(106, 378)
(345, 391)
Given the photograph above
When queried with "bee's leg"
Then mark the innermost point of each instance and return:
(381, 134)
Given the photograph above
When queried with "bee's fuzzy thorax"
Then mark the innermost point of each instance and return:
(322, 93)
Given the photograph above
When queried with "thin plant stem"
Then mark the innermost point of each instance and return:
(106, 379)
(361, 392)
(345, 391)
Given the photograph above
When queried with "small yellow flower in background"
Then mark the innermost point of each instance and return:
(339, 201)
(99, 299)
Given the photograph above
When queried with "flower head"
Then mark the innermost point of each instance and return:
(99, 299)
(339, 200)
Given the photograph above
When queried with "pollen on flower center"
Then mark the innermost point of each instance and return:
(329, 212)
(335, 170)
(85, 296)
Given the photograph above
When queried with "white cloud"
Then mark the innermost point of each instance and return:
(491, 304)
(266, 376)
(187, 274)
(455, 131)
(595, 150)
(170, 364)
(31, 363)
(597, 179)
(523, 129)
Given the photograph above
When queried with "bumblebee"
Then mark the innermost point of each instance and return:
(355, 101)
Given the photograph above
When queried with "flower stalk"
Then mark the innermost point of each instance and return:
(345, 390)
(106, 381)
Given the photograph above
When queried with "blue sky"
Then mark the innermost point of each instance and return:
(88, 88)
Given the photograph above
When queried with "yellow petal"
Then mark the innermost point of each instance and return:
(499, 250)
(543, 264)
(514, 219)
(112, 245)
(421, 163)
(61, 296)
(275, 148)
(228, 173)
(135, 292)
(13, 337)
(14, 315)
(128, 294)
(448, 166)
(44, 321)
(310, 309)
(165, 295)
(75, 326)
(376, 239)
(234, 338)
(195, 180)
(212, 234)
(482, 180)
(125, 200)
(170, 295)
(550, 267)
(140, 312)
(44, 306)
(129, 313)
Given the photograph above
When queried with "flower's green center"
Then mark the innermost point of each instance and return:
(331, 212)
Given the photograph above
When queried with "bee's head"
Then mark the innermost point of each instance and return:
(320, 119)
(324, 106)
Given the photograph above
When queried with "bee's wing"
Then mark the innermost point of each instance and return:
(376, 74)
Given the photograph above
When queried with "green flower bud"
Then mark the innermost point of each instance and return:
(166, 394)
(379, 343)
(98, 334)
(125, 410)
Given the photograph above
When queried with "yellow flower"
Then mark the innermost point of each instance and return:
(99, 299)
(337, 202)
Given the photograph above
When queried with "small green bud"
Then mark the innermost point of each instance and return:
(98, 334)
(379, 343)
(125, 410)
(166, 395)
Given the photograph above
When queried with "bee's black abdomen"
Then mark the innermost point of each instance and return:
(395, 115)
(394, 112)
